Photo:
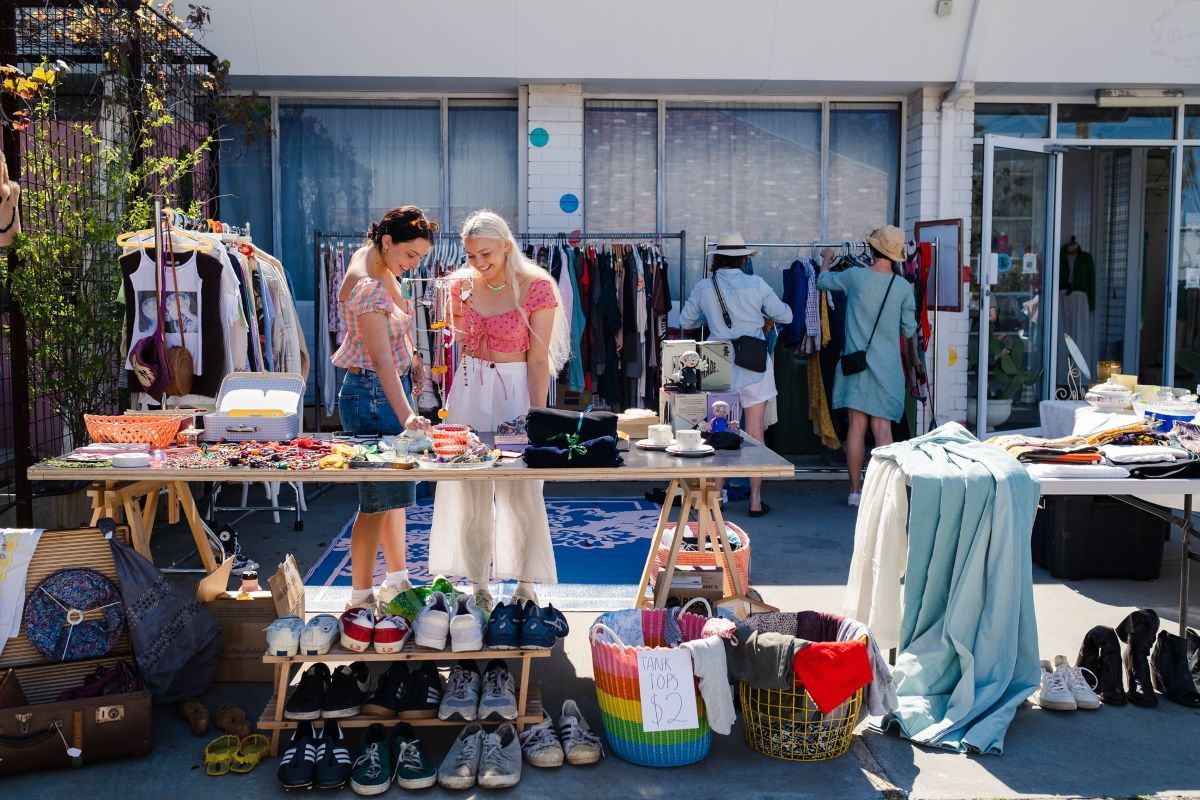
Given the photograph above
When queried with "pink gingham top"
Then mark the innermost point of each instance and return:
(370, 297)
(501, 333)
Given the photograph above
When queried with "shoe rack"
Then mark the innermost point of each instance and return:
(529, 700)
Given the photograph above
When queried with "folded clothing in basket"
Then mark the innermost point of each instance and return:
(832, 672)
(763, 659)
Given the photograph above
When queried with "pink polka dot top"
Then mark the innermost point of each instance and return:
(501, 333)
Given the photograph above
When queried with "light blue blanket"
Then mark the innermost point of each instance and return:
(968, 653)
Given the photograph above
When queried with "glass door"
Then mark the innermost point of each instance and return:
(1015, 308)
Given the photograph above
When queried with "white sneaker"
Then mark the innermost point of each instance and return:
(466, 626)
(433, 622)
(387, 593)
(853, 498)
(368, 604)
(540, 744)
(283, 636)
(319, 635)
(1054, 693)
(579, 743)
(1077, 683)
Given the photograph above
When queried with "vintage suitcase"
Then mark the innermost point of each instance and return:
(45, 733)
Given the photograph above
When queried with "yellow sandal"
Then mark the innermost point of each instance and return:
(219, 753)
(250, 752)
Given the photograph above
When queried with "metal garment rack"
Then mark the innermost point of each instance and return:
(319, 237)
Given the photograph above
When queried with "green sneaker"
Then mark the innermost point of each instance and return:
(373, 769)
(413, 770)
(404, 601)
(440, 584)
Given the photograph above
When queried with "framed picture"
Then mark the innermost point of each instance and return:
(944, 288)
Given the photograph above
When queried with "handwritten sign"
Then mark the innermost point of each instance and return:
(668, 690)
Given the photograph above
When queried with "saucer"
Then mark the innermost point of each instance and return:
(699, 452)
(646, 444)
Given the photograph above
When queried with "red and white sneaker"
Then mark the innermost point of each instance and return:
(358, 626)
(391, 633)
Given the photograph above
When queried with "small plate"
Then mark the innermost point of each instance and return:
(646, 444)
(700, 452)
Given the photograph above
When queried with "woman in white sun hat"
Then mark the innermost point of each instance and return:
(749, 304)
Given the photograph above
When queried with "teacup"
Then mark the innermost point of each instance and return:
(688, 439)
(660, 434)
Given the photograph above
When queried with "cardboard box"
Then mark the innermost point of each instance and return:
(287, 589)
(689, 583)
(635, 423)
(688, 410)
(244, 623)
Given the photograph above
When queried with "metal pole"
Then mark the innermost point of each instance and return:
(1185, 563)
(315, 365)
(19, 345)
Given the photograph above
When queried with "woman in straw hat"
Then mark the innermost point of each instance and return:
(880, 309)
(749, 301)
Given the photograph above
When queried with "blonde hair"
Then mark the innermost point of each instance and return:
(485, 224)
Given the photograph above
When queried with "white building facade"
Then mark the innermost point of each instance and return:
(794, 122)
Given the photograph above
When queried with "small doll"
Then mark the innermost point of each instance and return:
(719, 421)
(689, 373)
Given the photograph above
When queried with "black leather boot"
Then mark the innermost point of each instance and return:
(1137, 633)
(1169, 670)
(1101, 654)
(1193, 656)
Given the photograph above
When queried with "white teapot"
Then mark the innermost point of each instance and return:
(1110, 396)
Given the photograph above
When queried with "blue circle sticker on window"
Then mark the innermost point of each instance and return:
(569, 203)
(539, 137)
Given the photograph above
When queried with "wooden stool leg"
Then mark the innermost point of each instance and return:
(133, 518)
(188, 504)
(172, 504)
(523, 692)
(685, 510)
(664, 517)
(282, 672)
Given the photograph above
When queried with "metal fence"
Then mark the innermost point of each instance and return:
(131, 75)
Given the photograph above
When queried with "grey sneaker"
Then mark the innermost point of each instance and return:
(461, 765)
(580, 745)
(484, 600)
(540, 744)
(500, 762)
(461, 699)
(499, 697)
(522, 596)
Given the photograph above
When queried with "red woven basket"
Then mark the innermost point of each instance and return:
(707, 558)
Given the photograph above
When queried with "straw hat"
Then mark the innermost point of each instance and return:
(10, 195)
(889, 240)
(732, 244)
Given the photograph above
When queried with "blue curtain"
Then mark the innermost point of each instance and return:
(343, 165)
(483, 159)
(246, 183)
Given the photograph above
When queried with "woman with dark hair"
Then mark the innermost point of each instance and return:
(749, 302)
(376, 395)
(880, 308)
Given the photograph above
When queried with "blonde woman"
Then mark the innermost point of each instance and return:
(508, 319)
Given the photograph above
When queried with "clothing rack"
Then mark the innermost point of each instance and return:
(190, 223)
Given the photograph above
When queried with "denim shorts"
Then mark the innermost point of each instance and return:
(365, 411)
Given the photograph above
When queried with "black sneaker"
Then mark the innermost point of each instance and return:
(347, 691)
(423, 694)
(300, 759)
(333, 765)
(393, 686)
(306, 701)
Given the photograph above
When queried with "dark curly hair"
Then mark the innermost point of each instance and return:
(403, 224)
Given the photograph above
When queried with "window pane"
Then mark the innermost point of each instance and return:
(343, 165)
(483, 160)
(864, 169)
(620, 161)
(755, 169)
(1094, 122)
(1187, 326)
(1191, 122)
(245, 166)
(1012, 119)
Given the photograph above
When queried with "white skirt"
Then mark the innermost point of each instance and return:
(501, 525)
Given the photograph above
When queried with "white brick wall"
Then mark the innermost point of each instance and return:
(948, 365)
(555, 168)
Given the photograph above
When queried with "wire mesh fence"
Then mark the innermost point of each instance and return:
(130, 115)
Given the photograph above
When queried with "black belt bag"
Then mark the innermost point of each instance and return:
(749, 352)
(856, 362)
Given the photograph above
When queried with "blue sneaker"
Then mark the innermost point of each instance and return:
(504, 627)
(536, 631)
(556, 620)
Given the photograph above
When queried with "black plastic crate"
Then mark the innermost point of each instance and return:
(1098, 537)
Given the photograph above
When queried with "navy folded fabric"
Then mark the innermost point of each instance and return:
(599, 452)
(543, 423)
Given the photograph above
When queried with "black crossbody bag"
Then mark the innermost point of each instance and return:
(749, 352)
(853, 363)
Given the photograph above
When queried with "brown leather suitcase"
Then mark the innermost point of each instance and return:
(45, 733)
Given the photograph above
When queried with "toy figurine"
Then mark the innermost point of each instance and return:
(689, 373)
(719, 421)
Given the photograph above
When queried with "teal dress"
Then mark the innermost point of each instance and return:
(879, 389)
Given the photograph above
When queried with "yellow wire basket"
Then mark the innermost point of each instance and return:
(788, 725)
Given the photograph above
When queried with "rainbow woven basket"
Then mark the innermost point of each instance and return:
(614, 665)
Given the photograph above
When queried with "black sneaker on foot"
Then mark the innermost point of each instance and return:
(307, 699)
(423, 696)
(393, 686)
(333, 765)
(347, 691)
(300, 759)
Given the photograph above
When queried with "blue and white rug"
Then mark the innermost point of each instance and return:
(600, 548)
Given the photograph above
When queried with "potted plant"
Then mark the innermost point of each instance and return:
(1006, 379)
